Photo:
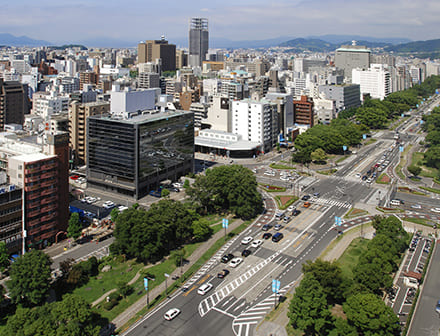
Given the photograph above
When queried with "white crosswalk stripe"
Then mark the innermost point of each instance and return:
(324, 201)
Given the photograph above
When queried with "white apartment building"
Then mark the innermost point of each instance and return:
(127, 101)
(376, 81)
(47, 103)
(255, 121)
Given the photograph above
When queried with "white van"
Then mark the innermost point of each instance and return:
(411, 282)
(395, 202)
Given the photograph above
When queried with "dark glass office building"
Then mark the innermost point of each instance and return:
(133, 156)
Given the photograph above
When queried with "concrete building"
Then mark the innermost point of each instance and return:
(219, 115)
(200, 111)
(285, 110)
(152, 50)
(129, 101)
(350, 57)
(255, 121)
(78, 114)
(303, 112)
(88, 77)
(148, 80)
(14, 103)
(11, 216)
(376, 81)
(198, 41)
(345, 96)
(148, 149)
(325, 110)
(181, 59)
(50, 102)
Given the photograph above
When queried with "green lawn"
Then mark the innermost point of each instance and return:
(281, 166)
(418, 160)
(350, 257)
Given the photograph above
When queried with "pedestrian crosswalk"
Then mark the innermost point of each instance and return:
(330, 202)
(243, 323)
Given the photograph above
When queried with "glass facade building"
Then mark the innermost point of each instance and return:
(133, 156)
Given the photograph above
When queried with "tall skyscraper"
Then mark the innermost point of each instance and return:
(198, 41)
(151, 50)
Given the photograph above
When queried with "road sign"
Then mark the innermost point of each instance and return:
(146, 283)
(338, 221)
(225, 223)
(364, 136)
(401, 149)
(167, 275)
(276, 284)
(421, 121)
(344, 148)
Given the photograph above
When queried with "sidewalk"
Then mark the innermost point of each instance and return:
(124, 317)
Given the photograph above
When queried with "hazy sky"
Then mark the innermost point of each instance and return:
(134, 20)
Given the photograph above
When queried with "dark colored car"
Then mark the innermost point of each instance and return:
(222, 274)
(305, 197)
(267, 235)
(266, 227)
(296, 212)
(277, 237)
(245, 253)
(227, 257)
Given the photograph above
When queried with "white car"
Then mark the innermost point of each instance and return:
(416, 206)
(235, 262)
(172, 313)
(269, 173)
(246, 240)
(203, 289)
(291, 208)
(358, 175)
(256, 243)
(436, 210)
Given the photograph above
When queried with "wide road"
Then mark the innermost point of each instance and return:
(237, 303)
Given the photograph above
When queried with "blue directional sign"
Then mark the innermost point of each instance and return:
(400, 148)
(364, 136)
(225, 223)
(338, 221)
(402, 115)
(421, 121)
(417, 105)
(276, 284)
(436, 91)
(146, 283)
(344, 148)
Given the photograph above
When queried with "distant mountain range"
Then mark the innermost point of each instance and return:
(20, 41)
(311, 43)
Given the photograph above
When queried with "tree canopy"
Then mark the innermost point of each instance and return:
(30, 278)
(75, 227)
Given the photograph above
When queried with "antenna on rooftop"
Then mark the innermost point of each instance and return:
(353, 42)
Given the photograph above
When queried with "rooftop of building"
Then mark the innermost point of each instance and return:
(141, 117)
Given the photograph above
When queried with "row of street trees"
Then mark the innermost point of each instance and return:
(431, 125)
(325, 287)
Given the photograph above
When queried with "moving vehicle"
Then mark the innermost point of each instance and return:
(156, 193)
(291, 208)
(277, 227)
(395, 202)
(305, 197)
(306, 204)
(437, 307)
(266, 227)
(436, 210)
(279, 215)
(172, 313)
(277, 237)
(205, 288)
(222, 274)
(246, 253)
(256, 243)
(227, 257)
(286, 219)
(416, 206)
(267, 235)
(296, 212)
(246, 240)
(235, 262)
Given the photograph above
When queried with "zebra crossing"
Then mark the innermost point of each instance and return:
(210, 263)
(330, 202)
(244, 322)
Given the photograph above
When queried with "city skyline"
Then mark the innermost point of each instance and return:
(247, 20)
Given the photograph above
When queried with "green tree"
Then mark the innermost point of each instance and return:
(4, 256)
(74, 228)
(318, 155)
(372, 276)
(432, 157)
(30, 278)
(178, 256)
(329, 275)
(124, 288)
(415, 170)
(308, 309)
(201, 229)
(343, 328)
(114, 214)
(165, 192)
(370, 316)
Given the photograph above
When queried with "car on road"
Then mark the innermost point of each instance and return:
(305, 197)
(437, 307)
(296, 212)
(306, 204)
(235, 262)
(277, 227)
(74, 177)
(266, 227)
(246, 240)
(436, 210)
(358, 175)
(246, 253)
(222, 273)
(227, 257)
(269, 173)
(205, 288)
(172, 313)
(364, 177)
(256, 243)
(267, 235)
(416, 206)
(291, 208)
(277, 237)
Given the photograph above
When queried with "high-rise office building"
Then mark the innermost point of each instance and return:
(350, 57)
(198, 41)
(13, 103)
(150, 51)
